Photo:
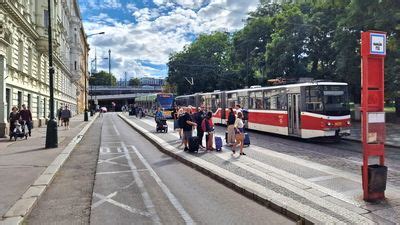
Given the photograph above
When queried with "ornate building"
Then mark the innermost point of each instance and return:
(24, 77)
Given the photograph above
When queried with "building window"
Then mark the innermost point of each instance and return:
(46, 19)
(19, 100)
(75, 65)
(8, 100)
(30, 61)
(29, 101)
(38, 106)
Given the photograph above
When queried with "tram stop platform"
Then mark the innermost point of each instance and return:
(392, 133)
(304, 190)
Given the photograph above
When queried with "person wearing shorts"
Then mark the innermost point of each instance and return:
(65, 115)
(187, 128)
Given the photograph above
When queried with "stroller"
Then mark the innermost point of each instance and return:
(161, 125)
(19, 130)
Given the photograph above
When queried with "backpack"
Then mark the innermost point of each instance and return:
(204, 125)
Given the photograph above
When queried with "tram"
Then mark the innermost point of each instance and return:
(306, 110)
(152, 101)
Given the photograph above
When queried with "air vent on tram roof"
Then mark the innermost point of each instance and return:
(255, 86)
(217, 90)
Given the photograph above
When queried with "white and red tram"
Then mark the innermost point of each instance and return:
(306, 110)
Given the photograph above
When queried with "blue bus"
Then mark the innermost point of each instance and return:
(151, 102)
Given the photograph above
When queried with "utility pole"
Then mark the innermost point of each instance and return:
(95, 60)
(125, 80)
(51, 131)
(109, 65)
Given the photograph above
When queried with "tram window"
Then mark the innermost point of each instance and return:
(313, 100)
(267, 103)
(256, 101)
(244, 102)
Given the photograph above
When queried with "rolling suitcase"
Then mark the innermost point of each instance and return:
(246, 140)
(218, 143)
(194, 144)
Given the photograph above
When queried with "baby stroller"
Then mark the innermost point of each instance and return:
(161, 125)
(19, 130)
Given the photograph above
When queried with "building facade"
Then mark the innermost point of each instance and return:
(24, 76)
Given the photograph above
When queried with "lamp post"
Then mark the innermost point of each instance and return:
(109, 65)
(85, 116)
(51, 131)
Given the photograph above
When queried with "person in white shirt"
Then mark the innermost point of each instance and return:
(239, 133)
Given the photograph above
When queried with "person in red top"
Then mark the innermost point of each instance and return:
(208, 128)
(26, 116)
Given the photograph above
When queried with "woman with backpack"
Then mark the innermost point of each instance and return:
(239, 133)
(208, 127)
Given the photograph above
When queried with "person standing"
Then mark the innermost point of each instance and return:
(239, 133)
(26, 116)
(13, 118)
(59, 116)
(231, 129)
(65, 116)
(198, 119)
(238, 109)
(180, 123)
(187, 128)
(208, 127)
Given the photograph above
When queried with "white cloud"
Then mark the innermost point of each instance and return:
(159, 32)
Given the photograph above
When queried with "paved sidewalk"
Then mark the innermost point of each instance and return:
(23, 161)
(315, 192)
(392, 133)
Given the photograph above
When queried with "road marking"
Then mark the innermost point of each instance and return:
(174, 201)
(114, 163)
(118, 204)
(145, 195)
(110, 159)
(102, 199)
(322, 178)
(119, 149)
(116, 130)
(123, 171)
(105, 150)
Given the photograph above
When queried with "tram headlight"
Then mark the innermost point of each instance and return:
(329, 124)
(348, 122)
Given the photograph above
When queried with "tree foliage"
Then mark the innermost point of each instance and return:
(102, 78)
(310, 38)
(134, 81)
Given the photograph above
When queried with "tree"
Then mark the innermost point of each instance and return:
(134, 81)
(102, 78)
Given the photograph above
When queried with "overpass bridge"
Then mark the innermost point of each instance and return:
(120, 95)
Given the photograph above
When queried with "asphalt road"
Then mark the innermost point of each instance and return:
(137, 184)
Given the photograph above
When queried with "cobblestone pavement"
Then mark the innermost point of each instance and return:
(330, 170)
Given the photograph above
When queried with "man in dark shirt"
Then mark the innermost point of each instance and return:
(198, 118)
(26, 116)
(187, 127)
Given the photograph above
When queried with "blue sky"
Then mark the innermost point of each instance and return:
(143, 33)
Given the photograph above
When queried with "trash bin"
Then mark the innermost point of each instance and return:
(377, 176)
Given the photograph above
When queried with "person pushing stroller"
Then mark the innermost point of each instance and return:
(160, 121)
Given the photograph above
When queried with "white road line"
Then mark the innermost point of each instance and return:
(145, 195)
(102, 199)
(174, 201)
(123, 171)
(110, 159)
(118, 204)
(116, 130)
(114, 163)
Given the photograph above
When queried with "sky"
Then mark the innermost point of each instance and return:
(143, 33)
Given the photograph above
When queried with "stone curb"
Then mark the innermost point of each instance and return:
(228, 182)
(359, 141)
(18, 212)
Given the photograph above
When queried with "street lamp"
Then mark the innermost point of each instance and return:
(109, 65)
(85, 116)
(51, 131)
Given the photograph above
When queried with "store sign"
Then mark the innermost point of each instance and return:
(378, 44)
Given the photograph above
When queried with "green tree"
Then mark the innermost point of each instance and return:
(102, 78)
(134, 81)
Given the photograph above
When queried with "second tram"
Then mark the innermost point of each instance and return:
(305, 110)
(151, 102)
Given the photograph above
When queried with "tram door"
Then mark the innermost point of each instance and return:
(294, 114)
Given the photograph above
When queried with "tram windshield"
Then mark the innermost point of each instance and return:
(335, 100)
(330, 100)
(166, 101)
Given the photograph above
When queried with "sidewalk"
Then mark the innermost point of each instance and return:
(296, 187)
(392, 133)
(23, 164)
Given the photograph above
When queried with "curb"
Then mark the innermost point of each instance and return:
(228, 182)
(23, 206)
(359, 141)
